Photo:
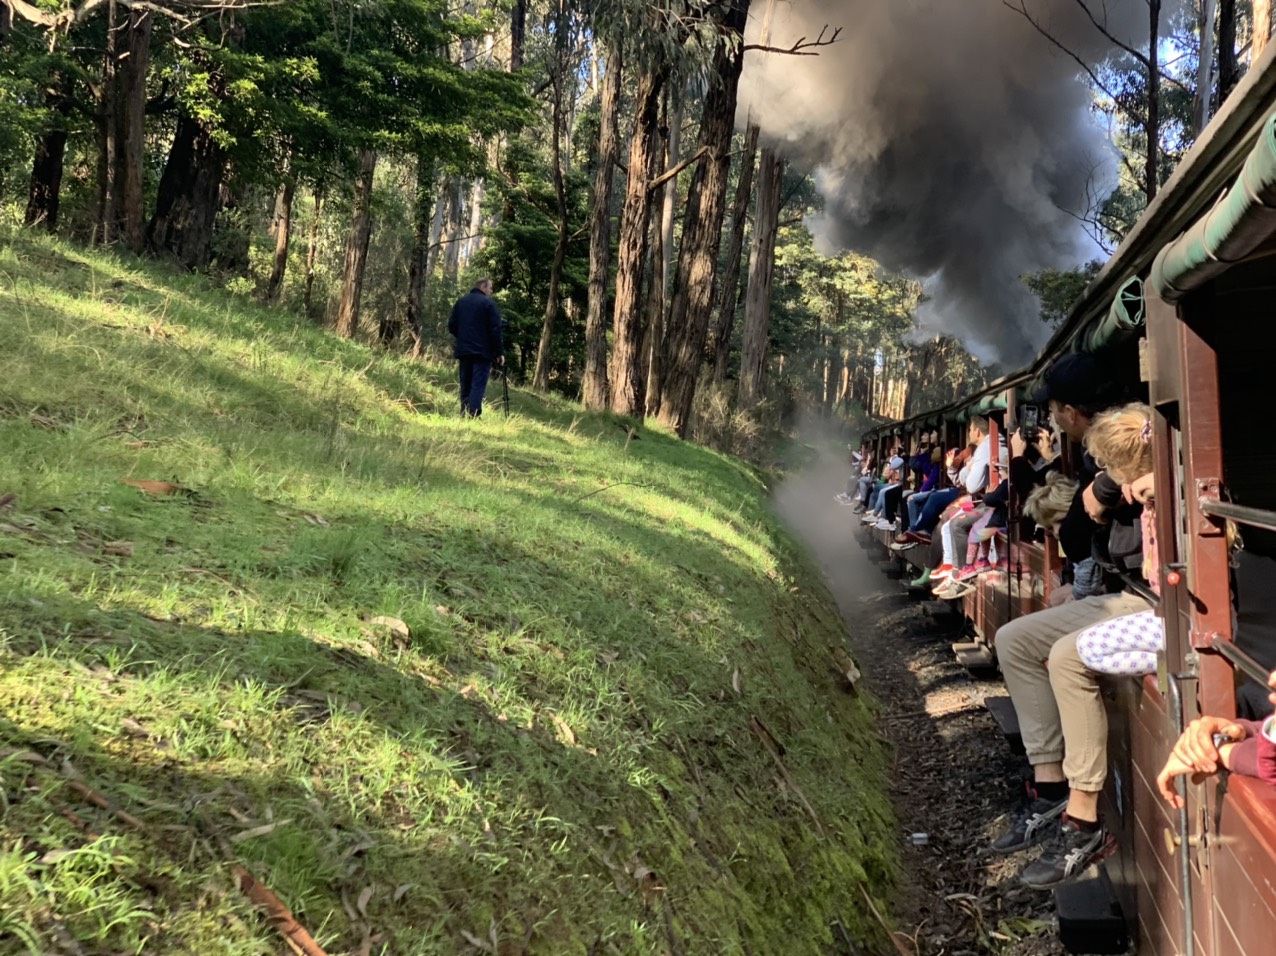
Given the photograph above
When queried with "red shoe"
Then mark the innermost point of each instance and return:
(942, 573)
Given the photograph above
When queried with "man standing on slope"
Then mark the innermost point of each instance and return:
(475, 322)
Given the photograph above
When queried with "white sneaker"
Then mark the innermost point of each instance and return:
(885, 525)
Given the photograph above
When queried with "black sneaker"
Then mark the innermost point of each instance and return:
(1069, 852)
(1034, 820)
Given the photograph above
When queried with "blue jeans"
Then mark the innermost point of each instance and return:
(934, 507)
(474, 375)
(914, 503)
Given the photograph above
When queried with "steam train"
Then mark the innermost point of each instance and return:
(1185, 314)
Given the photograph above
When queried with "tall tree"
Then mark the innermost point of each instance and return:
(348, 306)
(692, 303)
(540, 379)
(626, 374)
(1262, 26)
(594, 386)
(129, 126)
(729, 289)
(1229, 68)
(757, 302)
(662, 257)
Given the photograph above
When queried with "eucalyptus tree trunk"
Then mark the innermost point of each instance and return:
(1205, 66)
(518, 33)
(729, 288)
(419, 263)
(312, 253)
(130, 128)
(757, 301)
(662, 263)
(44, 193)
(1262, 27)
(104, 229)
(644, 154)
(357, 248)
(540, 378)
(1229, 70)
(594, 386)
(692, 303)
(1151, 173)
(283, 235)
(189, 194)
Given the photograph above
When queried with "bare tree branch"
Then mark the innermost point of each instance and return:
(1102, 27)
(1022, 10)
(660, 180)
(182, 10)
(803, 46)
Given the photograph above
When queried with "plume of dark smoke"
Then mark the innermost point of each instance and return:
(951, 141)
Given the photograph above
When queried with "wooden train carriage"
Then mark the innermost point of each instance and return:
(1201, 266)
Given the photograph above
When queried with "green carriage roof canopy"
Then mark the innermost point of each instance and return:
(1229, 232)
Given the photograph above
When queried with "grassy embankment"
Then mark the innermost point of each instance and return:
(559, 757)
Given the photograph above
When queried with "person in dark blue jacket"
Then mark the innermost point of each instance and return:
(475, 322)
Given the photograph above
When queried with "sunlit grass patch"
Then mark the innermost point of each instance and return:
(430, 680)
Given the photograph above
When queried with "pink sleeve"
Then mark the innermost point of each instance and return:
(1151, 557)
(1267, 755)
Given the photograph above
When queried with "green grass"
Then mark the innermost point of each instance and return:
(556, 759)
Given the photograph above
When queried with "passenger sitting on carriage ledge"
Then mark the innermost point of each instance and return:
(1247, 747)
(1060, 709)
(968, 472)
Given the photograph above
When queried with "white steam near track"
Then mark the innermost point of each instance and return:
(951, 142)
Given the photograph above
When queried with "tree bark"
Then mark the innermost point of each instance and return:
(1151, 175)
(1205, 66)
(1262, 27)
(451, 239)
(130, 129)
(189, 195)
(107, 147)
(1229, 69)
(594, 387)
(357, 247)
(420, 261)
(283, 234)
(662, 264)
(757, 302)
(702, 232)
(653, 341)
(44, 194)
(644, 153)
(312, 253)
(518, 33)
(729, 290)
(540, 378)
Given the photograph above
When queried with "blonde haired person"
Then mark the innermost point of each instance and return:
(1121, 443)
(1049, 503)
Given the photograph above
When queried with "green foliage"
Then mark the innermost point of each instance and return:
(552, 746)
(520, 251)
(1058, 289)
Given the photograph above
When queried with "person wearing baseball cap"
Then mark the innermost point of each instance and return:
(1077, 387)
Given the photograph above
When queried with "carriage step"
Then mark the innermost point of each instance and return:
(917, 593)
(1003, 714)
(891, 569)
(939, 610)
(977, 660)
(1090, 918)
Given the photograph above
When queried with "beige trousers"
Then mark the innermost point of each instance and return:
(1057, 697)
